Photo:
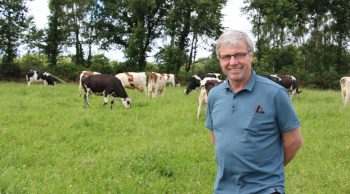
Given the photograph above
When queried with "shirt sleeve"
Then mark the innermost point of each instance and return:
(287, 118)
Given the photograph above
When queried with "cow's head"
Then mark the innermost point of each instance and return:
(126, 102)
(193, 84)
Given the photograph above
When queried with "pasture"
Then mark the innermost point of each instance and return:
(49, 143)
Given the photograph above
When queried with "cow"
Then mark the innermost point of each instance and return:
(177, 82)
(134, 80)
(169, 79)
(156, 84)
(105, 85)
(37, 76)
(83, 75)
(206, 85)
(195, 81)
(287, 81)
(345, 89)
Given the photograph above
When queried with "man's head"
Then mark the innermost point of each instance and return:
(235, 52)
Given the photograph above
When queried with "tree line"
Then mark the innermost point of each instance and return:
(129, 25)
(306, 38)
(309, 38)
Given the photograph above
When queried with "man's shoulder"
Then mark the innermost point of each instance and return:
(218, 87)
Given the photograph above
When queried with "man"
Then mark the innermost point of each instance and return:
(252, 123)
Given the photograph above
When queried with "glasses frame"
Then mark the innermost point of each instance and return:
(237, 56)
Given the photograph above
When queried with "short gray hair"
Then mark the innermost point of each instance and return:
(232, 37)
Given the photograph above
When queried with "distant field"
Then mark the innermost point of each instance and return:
(49, 143)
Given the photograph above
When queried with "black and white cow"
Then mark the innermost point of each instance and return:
(37, 76)
(105, 85)
(195, 81)
(206, 85)
(287, 81)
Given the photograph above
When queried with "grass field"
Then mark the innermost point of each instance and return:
(49, 143)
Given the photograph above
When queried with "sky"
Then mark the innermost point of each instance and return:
(233, 19)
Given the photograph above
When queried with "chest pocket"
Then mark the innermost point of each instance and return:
(260, 123)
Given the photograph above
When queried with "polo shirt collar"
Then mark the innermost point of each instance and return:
(249, 86)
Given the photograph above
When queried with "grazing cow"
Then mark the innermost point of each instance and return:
(134, 80)
(287, 81)
(37, 76)
(345, 89)
(169, 79)
(195, 81)
(206, 85)
(105, 85)
(84, 75)
(156, 84)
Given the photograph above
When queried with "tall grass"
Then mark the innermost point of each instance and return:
(49, 143)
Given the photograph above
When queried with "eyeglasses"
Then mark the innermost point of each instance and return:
(236, 56)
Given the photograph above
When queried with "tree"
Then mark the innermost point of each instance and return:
(131, 26)
(185, 25)
(80, 20)
(316, 34)
(13, 24)
(56, 33)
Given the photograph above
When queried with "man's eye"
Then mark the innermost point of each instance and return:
(238, 55)
(227, 57)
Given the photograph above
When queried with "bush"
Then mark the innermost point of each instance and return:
(66, 70)
(32, 62)
(10, 71)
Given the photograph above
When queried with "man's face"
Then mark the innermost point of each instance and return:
(235, 62)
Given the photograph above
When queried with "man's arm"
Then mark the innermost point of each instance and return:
(212, 136)
(292, 141)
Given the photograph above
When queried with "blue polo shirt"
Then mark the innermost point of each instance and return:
(248, 127)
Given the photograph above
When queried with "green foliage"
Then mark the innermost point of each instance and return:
(100, 63)
(304, 38)
(66, 69)
(13, 24)
(169, 58)
(10, 70)
(70, 149)
(212, 65)
(152, 67)
(32, 62)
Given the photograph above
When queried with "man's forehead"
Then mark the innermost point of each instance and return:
(239, 46)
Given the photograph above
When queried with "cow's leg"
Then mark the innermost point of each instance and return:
(86, 99)
(346, 98)
(29, 82)
(149, 89)
(112, 100)
(200, 103)
(105, 99)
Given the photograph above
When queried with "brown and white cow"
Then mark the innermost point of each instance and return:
(169, 79)
(287, 81)
(156, 84)
(84, 75)
(206, 85)
(345, 89)
(106, 85)
(37, 76)
(134, 80)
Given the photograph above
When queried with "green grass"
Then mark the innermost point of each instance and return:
(49, 143)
